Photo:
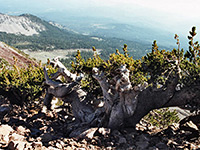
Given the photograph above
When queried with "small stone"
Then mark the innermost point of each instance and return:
(116, 133)
(58, 145)
(93, 141)
(44, 128)
(142, 145)
(104, 131)
(109, 148)
(172, 142)
(30, 139)
(11, 146)
(122, 140)
(153, 148)
(49, 114)
(4, 110)
(81, 149)
(175, 126)
(21, 145)
(84, 133)
(66, 140)
(5, 130)
(62, 143)
(22, 131)
(46, 137)
(83, 141)
(192, 125)
(53, 148)
(39, 139)
(17, 137)
(142, 137)
(36, 145)
(5, 139)
(161, 146)
(44, 109)
(192, 146)
(35, 132)
(68, 148)
(50, 129)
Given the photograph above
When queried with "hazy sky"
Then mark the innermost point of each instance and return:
(174, 15)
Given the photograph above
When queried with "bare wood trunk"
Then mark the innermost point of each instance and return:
(119, 97)
(149, 100)
(68, 92)
(124, 105)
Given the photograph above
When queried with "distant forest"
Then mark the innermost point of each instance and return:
(55, 38)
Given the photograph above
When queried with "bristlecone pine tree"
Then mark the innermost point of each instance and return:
(128, 88)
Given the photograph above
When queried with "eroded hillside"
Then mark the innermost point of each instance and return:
(9, 54)
(19, 25)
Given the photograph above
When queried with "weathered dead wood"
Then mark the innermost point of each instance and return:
(149, 100)
(124, 105)
(62, 70)
(68, 92)
(120, 98)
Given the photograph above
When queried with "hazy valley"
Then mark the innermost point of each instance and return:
(31, 33)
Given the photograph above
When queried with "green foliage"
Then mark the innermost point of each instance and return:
(21, 84)
(3, 63)
(109, 67)
(160, 64)
(194, 48)
(162, 117)
(157, 67)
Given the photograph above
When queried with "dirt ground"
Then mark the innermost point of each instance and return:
(33, 127)
(8, 53)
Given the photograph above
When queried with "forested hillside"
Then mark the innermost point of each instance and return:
(57, 38)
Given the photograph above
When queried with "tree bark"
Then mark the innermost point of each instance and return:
(149, 100)
(124, 105)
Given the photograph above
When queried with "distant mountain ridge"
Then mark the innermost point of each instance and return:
(20, 25)
(124, 31)
(46, 36)
(31, 32)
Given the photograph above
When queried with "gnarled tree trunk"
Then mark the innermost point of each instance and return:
(124, 105)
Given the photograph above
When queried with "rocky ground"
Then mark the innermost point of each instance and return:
(32, 127)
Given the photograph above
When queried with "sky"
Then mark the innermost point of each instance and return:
(175, 15)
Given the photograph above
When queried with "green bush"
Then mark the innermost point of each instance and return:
(162, 117)
(157, 68)
(21, 84)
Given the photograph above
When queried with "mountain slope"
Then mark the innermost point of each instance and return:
(19, 25)
(8, 54)
(51, 37)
